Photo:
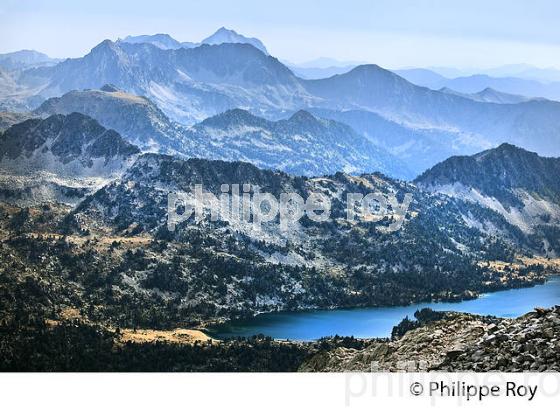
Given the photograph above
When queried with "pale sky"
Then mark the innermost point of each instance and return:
(393, 33)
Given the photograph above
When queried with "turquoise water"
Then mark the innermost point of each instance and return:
(378, 322)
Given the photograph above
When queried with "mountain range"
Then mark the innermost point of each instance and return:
(24, 59)
(192, 84)
(223, 269)
(301, 144)
(321, 68)
(221, 36)
(526, 71)
(475, 83)
(228, 268)
(69, 145)
(99, 153)
(187, 84)
(489, 95)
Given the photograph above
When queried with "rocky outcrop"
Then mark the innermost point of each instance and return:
(458, 342)
(529, 343)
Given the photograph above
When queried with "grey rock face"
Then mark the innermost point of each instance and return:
(59, 159)
(458, 342)
(75, 137)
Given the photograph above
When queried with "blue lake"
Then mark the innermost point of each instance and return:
(379, 321)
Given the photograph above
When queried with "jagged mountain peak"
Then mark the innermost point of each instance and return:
(505, 162)
(520, 185)
(490, 94)
(103, 53)
(160, 40)
(60, 158)
(225, 35)
(104, 46)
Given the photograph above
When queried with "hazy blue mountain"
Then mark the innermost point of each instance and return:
(221, 36)
(489, 95)
(518, 81)
(322, 67)
(302, 144)
(224, 35)
(164, 41)
(450, 72)
(423, 77)
(521, 185)
(190, 85)
(418, 148)
(522, 71)
(326, 62)
(24, 59)
(528, 124)
(314, 73)
(526, 71)
(511, 85)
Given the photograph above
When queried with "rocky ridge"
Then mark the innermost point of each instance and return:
(458, 342)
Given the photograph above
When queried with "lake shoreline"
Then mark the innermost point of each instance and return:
(235, 327)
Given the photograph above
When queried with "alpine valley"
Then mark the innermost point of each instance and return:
(92, 278)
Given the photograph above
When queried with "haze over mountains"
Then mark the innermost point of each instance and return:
(489, 95)
(226, 98)
(322, 67)
(189, 82)
(302, 144)
(221, 36)
(25, 59)
(525, 71)
(529, 87)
